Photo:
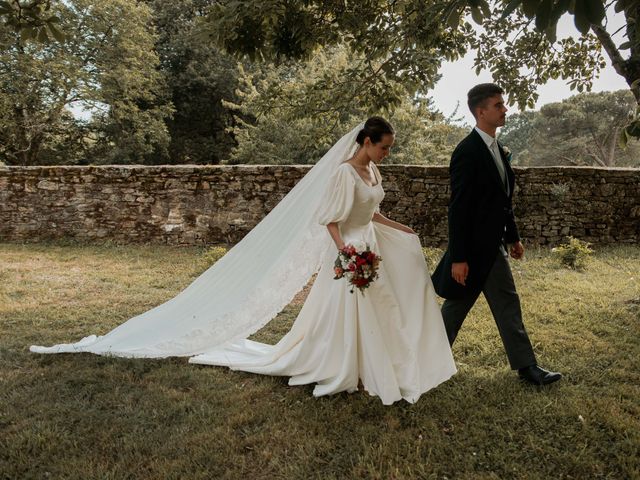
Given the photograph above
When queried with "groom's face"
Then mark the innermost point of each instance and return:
(494, 111)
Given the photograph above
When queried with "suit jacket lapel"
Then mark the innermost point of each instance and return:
(511, 176)
(490, 163)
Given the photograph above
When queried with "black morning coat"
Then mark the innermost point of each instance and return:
(480, 216)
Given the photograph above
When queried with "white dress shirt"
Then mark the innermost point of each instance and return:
(492, 145)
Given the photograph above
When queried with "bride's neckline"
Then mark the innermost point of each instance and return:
(362, 179)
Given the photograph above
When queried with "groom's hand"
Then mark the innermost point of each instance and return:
(459, 272)
(517, 250)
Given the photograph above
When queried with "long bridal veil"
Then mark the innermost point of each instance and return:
(241, 292)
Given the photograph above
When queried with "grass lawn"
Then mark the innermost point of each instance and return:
(85, 416)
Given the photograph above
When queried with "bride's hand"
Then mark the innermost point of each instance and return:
(378, 217)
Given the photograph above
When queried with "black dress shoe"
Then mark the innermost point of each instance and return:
(536, 375)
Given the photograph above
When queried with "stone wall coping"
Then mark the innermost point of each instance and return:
(561, 168)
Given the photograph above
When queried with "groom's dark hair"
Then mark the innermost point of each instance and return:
(479, 94)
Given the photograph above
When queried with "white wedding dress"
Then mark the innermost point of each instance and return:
(391, 337)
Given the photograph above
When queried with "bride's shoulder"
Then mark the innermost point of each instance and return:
(344, 174)
(345, 168)
(347, 164)
(376, 171)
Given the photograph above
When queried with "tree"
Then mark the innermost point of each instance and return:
(199, 78)
(108, 63)
(522, 58)
(287, 118)
(581, 130)
(517, 135)
(32, 20)
(404, 41)
(527, 30)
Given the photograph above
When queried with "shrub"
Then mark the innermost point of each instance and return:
(213, 254)
(574, 253)
(559, 190)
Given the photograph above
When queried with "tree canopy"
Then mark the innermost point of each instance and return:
(581, 130)
(32, 20)
(283, 116)
(199, 78)
(108, 63)
(161, 91)
(404, 42)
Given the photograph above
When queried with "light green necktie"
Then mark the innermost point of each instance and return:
(495, 152)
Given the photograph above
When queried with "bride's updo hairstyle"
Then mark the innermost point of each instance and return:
(374, 128)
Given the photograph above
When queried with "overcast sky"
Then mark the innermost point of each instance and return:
(458, 77)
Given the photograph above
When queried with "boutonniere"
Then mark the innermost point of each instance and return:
(507, 153)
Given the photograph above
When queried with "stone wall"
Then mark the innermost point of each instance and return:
(197, 205)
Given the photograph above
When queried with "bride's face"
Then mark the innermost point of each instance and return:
(378, 151)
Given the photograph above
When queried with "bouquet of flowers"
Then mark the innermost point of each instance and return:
(358, 266)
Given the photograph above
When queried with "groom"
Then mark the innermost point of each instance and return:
(481, 228)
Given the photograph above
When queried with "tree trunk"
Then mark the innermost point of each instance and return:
(632, 73)
(610, 159)
(632, 13)
(28, 139)
(629, 68)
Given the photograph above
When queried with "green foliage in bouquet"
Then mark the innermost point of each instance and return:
(573, 254)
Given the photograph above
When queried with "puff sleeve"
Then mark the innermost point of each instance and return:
(337, 201)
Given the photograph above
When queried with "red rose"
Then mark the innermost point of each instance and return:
(360, 282)
(349, 250)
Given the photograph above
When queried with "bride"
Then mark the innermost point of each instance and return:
(390, 338)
